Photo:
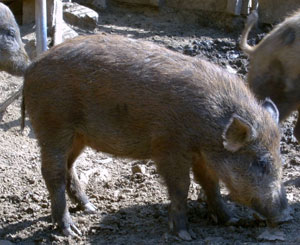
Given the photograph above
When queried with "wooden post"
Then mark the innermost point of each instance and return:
(41, 26)
(57, 21)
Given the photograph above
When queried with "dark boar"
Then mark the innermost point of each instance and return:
(13, 57)
(137, 100)
(275, 65)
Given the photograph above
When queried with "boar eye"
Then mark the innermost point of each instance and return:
(11, 33)
(263, 165)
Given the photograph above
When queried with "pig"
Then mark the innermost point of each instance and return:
(13, 57)
(274, 65)
(134, 99)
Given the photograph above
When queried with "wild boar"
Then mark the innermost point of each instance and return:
(13, 57)
(134, 99)
(274, 65)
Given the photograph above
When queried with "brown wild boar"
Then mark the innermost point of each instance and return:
(275, 65)
(13, 57)
(134, 99)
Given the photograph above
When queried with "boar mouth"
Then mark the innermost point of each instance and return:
(274, 209)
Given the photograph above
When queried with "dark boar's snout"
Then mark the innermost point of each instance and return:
(277, 212)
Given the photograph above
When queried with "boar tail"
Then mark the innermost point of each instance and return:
(251, 20)
(22, 112)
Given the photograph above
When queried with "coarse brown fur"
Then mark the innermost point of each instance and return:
(274, 65)
(134, 99)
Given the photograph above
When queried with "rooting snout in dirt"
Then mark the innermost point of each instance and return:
(135, 99)
(274, 65)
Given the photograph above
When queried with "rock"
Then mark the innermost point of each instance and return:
(68, 32)
(138, 169)
(30, 40)
(230, 69)
(102, 174)
(78, 15)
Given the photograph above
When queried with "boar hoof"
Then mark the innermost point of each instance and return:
(72, 231)
(89, 208)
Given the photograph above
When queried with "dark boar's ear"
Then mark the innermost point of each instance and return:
(237, 133)
(269, 105)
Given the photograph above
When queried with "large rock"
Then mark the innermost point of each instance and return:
(81, 16)
(155, 3)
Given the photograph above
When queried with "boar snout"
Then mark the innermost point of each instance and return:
(274, 207)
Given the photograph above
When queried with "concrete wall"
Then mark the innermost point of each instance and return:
(209, 5)
(270, 11)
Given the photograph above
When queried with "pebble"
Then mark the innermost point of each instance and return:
(138, 169)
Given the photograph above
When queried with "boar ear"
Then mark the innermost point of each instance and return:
(269, 105)
(237, 133)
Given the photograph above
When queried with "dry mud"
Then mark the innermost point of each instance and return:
(131, 199)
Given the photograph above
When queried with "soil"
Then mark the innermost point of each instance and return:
(130, 197)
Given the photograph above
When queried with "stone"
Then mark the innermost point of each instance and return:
(138, 169)
(68, 32)
(81, 16)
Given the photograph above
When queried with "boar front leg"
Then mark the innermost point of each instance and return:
(210, 184)
(174, 168)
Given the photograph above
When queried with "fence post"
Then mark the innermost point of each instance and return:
(41, 26)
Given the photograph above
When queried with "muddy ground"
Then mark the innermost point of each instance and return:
(130, 197)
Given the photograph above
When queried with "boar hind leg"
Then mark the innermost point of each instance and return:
(175, 171)
(210, 184)
(74, 189)
(54, 161)
(297, 127)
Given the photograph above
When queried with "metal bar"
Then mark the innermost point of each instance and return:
(41, 26)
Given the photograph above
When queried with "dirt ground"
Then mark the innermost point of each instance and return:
(130, 198)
